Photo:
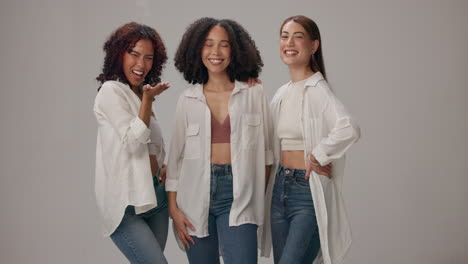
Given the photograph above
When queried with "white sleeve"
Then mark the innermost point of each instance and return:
(176, 148)
(267, 130)
(111, 107)
(343, 131)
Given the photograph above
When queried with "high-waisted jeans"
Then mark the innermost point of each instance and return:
(142, 238)
(293, 223)
(238, 244)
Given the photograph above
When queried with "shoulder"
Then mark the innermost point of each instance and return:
(321, 89)
(191, 92)
(113, 88)
(255, 90)
(279, 93)
(112, 91)
(188, 95)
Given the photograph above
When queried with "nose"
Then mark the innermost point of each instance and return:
(290, 41)
(215, 50)
(140, 61)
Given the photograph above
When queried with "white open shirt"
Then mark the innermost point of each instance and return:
(188, 169)
(123, 170)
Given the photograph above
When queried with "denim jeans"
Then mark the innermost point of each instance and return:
(238, 244)
(293, 223)
(142, 238)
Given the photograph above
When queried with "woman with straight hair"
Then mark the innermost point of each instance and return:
(130, 173)
(220, 147)
(312, 131)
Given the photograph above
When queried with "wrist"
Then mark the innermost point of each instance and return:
(147, 98)
(313, 161)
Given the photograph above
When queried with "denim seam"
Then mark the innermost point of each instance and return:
(134, 250)
(299, 185)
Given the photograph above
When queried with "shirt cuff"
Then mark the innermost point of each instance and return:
(320, 156)
(140, 130)
(268, 157)
(171, 185)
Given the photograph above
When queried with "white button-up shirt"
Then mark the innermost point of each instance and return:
(123, 170)
(188, 168)
(328, 131)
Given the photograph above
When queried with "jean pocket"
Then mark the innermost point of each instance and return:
(301, 182)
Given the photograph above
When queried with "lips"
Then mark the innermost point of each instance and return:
(139, 73)
(290, 53)
(215, 61)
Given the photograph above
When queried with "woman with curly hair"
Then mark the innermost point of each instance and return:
(130, 174)
(220, 147)
(312, 131)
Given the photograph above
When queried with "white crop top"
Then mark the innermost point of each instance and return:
(289, 123)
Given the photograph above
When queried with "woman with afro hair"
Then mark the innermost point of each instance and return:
(130, 173)
(220, 151)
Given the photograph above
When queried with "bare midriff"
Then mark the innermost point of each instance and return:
(221, 153)
(293, 159)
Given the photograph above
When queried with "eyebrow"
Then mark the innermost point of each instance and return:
(224, 40)
(147, 55)
(298, 32)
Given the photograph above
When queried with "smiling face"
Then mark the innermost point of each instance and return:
(137, 62)
(216, 51)
(296, 46)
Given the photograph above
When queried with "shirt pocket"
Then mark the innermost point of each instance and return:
(250, 130)
(192, 142)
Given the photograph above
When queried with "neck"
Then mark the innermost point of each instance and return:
(138, 90)
(219, 82)
(299, 73)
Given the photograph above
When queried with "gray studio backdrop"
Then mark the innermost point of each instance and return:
(399, 66)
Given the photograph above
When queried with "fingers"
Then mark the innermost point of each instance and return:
(162, 85)
(181, 223)
(188, 224)
(253, 81)
(189, 238)
(322, 170)
(184, 236)
(308, 171)
(182, 239)
(156, 90)
(162, 174)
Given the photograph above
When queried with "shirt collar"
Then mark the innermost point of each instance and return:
(314, 79)
(196, 91)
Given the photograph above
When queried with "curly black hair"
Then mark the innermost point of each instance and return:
(245, 58)
(124, 39)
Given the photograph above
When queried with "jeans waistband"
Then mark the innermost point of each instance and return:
(291, 171)
(221, 168)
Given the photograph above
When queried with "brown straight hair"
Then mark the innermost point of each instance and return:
(316, 62)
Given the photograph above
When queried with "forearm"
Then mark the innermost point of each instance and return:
(172, 200)
(145, 109)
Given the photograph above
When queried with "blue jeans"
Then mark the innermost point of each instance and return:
(293, 223)
(238, 244)
(142, 238)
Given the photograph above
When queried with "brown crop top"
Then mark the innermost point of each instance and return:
(220, 133)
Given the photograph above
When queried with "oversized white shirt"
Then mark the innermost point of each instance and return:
(123, 170)
(328, 131)
(188, 168)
